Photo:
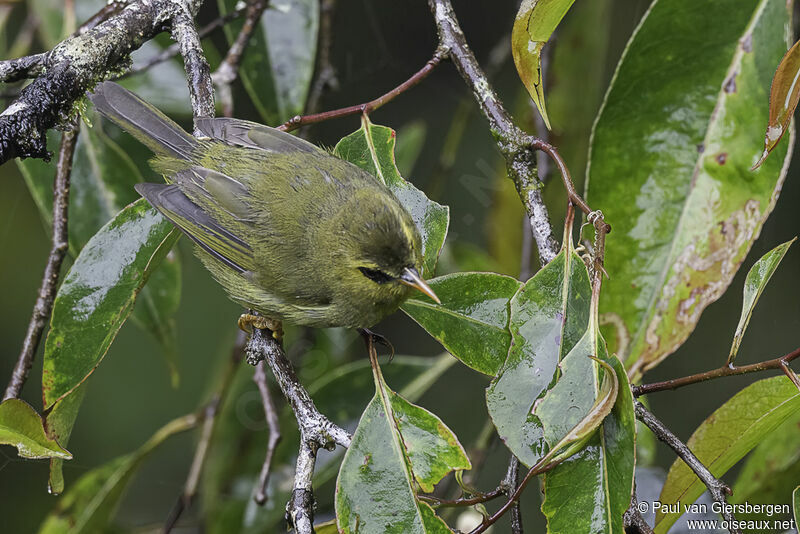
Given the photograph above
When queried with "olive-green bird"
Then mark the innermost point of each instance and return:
(285, 227)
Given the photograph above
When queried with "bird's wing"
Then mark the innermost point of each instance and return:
(201, 227)
(253, 135)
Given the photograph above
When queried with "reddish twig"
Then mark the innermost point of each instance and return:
(58, 249)
(367, 107)
(464, 501)
(781, 364)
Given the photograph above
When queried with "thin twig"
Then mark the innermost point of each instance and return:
(316, 430)
(228, 69)
(465, 501)
(717, 488)
(208, 414)
(326, 73)
(367, 107)
(58, 249)
(510, 483)
(726, 370)
(271, 414)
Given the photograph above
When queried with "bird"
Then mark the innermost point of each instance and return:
(285, 227)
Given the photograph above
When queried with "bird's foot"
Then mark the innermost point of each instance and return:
(371, 337)
(248, 321)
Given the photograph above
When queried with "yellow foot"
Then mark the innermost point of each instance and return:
(248, 321)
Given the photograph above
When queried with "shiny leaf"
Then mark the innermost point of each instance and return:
(23, 428)
(372, 148)
(754, 284)
(278, 63)
(670, 166)
(89, 506)
(549, 315)
(772, 470)
(410, 140)
(783, 98)
(535, 22)
(472, 321)
(95, 299)
(343, 391)
(726, 436)
(796, 505)
(375, 489)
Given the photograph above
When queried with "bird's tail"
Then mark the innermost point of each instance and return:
(147, 124)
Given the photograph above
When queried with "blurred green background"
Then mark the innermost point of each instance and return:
(377, 44)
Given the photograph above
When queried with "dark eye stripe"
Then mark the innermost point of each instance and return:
(375, 275)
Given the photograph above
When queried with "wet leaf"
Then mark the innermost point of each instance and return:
(372, 149)
(754, 284)
(671, 172)
(549, 315)
(278, 63)
(472, 321)
(102, 181)
(729, 433)
(89, 506)
(95, 299)
(605, 464)
(796, 505)
(783, 97)
(23, 428)
(375, 489)
(772, 470)
(535, 22)
(343, 391)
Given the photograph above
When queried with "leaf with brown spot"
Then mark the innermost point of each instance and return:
(783, 98)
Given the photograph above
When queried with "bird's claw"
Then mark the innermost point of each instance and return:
(248, 321)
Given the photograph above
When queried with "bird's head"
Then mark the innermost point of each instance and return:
(383, 264)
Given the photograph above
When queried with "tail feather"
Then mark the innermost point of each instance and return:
(154, 129)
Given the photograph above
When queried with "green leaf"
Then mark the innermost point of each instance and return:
(772, 470)
(278, 63)
(89, 506)
(604, 466)
(672, 175)
(410, 140)
(472, 321)
(371, 148)
(783, 98)
(102, 181)
(343, 391)
(548, 317)
(726, 436)
(375, 489)
(23, 428)
(535, 22)
(796, 505)
(95, 299)
(430, 446)
(754, 284)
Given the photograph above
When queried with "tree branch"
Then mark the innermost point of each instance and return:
(781, 364)
(228, 70)
(76, 64)
(717, 488)
(271, 414)
(198, 73)
(58, 249)
(316, 430)
(632, 519)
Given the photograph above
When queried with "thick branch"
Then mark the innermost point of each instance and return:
(58, 249)
(74, 66)
(198, 73)
(726, 370)
(316, 430)
(717, 488)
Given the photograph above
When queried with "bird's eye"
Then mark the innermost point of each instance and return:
(375, 275)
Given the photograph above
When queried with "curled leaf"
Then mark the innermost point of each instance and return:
(783, 98)
(535, 23)
(22, 427)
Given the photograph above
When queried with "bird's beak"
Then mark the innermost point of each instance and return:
(411, 277)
